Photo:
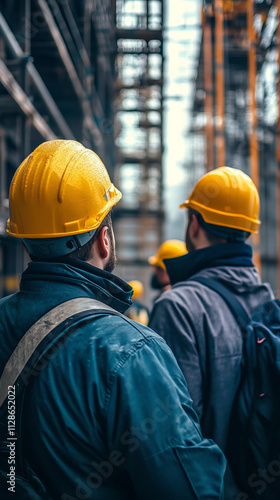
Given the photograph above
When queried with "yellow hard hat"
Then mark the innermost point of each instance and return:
(60, 189)
(226, 197)
(137, 287)
(168, 250)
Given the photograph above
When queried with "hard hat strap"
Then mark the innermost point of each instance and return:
(48, 248)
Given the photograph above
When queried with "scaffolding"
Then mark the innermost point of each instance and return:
(236, 105)
(57, 78)
(92, 71)
(138, 133)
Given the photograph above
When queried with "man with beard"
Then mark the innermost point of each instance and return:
(195, 320)
(107, 415)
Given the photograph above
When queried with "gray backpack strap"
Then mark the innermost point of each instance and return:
(235, 306)
(37, 332)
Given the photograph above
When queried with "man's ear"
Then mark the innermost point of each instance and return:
(103, 243)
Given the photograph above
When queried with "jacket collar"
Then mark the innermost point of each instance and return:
(228, 254)
(79, 279)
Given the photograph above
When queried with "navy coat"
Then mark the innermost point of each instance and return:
(109, 417)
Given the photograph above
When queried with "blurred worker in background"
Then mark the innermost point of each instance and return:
(195, 320)
(109, 415)
(138, 312)
(167, 250)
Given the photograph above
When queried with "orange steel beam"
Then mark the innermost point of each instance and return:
(219, 70)
(278, 149)
(254, 147)
(252, 99)
(208, 85)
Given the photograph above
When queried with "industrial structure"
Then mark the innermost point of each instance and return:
(56, 81)
(85, 70)
(236, 107)
(138, 131)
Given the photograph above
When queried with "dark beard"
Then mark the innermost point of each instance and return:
(111, 263)
(112, 260)
(155, 284)
(189, 245)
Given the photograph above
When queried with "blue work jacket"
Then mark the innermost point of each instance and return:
(109, 417)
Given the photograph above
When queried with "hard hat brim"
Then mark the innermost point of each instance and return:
(185, 204)
(153, 261)
(218, 218)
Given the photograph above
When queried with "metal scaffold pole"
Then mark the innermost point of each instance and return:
(219, 72)
(208, 85)
(253, 138)
(278, 150)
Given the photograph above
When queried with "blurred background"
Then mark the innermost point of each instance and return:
(162, 91)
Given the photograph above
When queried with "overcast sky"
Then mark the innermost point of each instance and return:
(182, 40)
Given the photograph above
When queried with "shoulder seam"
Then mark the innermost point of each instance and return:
(136, 347)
